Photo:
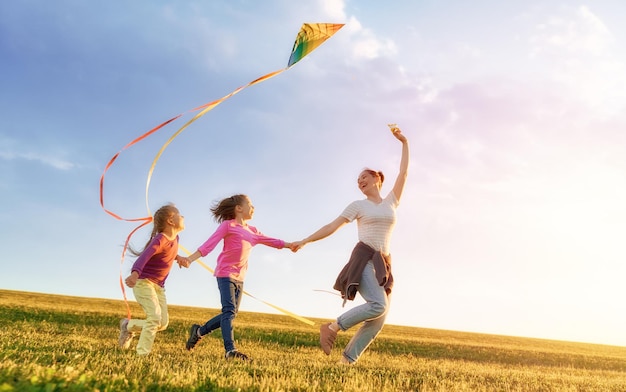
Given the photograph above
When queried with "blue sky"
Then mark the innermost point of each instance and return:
(513, 218)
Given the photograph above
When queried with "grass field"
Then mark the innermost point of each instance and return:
(61, 343)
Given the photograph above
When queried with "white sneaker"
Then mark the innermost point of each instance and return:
(125, 335)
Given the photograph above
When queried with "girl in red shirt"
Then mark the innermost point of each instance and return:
(147, 279)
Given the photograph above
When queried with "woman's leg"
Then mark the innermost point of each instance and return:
(373, 314)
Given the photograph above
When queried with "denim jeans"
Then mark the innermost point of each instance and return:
(152, 299)
(231, 292)
(372, 313)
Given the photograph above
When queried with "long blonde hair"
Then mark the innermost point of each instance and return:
(159, 221)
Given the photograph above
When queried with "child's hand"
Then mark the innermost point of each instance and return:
(296, 246)
(131, 280)
(183, 262)
(290, 246)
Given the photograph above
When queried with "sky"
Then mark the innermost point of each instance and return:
(513, 218)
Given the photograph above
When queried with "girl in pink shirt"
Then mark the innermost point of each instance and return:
(232, 264)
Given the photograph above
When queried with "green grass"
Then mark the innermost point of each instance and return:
(61, 343)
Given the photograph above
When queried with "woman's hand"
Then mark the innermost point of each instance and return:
(398, 187)
(296, 246)
(397, 132)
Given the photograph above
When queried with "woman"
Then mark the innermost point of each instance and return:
(368, 271)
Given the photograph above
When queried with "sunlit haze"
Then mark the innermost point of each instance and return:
(514, 214)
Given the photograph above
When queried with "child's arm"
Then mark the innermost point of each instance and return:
(185, 261)
(194, 256)
(211, 242)
(260, 238)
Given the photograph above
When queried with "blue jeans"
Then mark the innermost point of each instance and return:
(372, 314)
(231, 292)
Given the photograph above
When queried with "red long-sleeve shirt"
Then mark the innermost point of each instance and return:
(156, 261)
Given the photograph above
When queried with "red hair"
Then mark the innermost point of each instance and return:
(375, 173)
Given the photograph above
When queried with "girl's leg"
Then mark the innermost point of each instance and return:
(373, 314)
(146, 295)
(211, 325)
(230, 294)
(196, 332)
(165, 316)
(215, 322)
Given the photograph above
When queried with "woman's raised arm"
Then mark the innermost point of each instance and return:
(398, 187)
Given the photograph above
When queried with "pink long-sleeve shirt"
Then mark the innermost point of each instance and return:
(238, 242)
(156, 261)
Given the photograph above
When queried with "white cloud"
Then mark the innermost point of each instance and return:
(366, 45)
(51, 161)
(334, 8)
(580, 52)
(582, 32)
(353, 25)
(597, 38)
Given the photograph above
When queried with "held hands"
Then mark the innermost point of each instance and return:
(183, 261)
(290, 246)
(294, 246)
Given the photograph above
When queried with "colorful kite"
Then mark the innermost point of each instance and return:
(310, 36)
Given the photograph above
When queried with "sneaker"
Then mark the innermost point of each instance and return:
(125, 335)
(327, 338)
(236, 354)
(194, 337)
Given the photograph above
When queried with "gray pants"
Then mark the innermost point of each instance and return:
(372, 314)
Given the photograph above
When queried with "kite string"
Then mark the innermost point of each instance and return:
(309, 37)
(327, 291)
(284, 311)
(207, 107)
(128, 314)
(146, 220)
(112, 160)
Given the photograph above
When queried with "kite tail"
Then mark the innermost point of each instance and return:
(284, 311)
(128, 315)
(310, 36)
(147, 221)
